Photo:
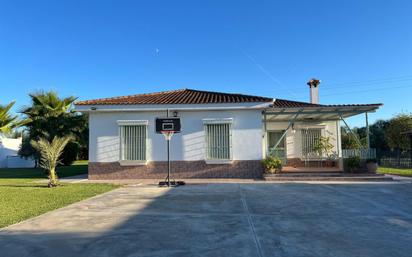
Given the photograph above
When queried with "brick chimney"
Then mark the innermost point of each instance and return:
(314, 90)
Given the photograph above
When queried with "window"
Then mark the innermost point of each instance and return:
(309, 139)
(218, 141)
(133, 140)
(273, 138)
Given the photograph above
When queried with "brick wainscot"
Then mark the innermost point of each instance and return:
(180, 169)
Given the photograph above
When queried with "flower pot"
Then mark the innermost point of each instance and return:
(273, 171)
(330, 163)
(372, 167)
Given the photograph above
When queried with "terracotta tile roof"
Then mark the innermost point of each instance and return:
(282, 103)
(182, 96)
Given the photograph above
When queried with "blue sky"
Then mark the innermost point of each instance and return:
(361, 50)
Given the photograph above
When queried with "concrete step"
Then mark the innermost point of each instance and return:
(322, 174)
(326, 177)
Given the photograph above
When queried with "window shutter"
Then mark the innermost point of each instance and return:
(218, 141)
(133, 142)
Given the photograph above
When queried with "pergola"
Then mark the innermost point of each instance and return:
(317, 113)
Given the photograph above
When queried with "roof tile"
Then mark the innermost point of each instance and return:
(191, 96)
(282, 103)
(182, 96)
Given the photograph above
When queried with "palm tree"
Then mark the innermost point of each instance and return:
(50, 155)
(52, 116)
(48, 104)
(7, 121)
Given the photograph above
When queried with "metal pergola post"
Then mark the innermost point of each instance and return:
(338, 138)
(265, 132)
(368, 143)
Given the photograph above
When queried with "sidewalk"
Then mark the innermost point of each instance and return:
(399, 178)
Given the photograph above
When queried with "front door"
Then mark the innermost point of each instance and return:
(273, 138)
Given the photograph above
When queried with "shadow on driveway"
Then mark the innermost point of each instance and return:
(224, 220)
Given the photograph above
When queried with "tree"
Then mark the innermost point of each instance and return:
(377, 137)
(396, 128)
(348, 139)
(50, 153)
(53, 116)
(7, 121)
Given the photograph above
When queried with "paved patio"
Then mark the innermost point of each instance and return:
(232, 219)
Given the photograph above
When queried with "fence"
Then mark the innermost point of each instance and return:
(395, 159)
(362, 153)
(391, 162)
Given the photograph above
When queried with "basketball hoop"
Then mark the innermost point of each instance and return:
(168, 126)
(168, 134)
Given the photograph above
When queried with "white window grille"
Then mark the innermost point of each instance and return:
(133, 142)
(218, 141)
(309, 139)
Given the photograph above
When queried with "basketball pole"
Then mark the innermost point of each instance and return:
(168, 155)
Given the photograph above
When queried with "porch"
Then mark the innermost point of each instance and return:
(307, 137)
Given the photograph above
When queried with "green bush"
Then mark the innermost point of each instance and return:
(352, 163)
(272, 164)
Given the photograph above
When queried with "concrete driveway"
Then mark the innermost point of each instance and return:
(225, 220)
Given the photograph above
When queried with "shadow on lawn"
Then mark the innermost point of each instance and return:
(38, 173)
(28, 185)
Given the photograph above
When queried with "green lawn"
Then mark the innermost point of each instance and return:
(23, 197)
(394, 171)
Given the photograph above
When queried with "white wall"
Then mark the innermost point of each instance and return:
(8, 154)
(188, 145)
(294, 140)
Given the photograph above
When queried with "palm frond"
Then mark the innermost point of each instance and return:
(50, 152)
(7, 121)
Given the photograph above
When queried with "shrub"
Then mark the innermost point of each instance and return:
(272, 164)
(323, 146)
(352, 163)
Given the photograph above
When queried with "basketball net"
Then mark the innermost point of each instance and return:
(168, 134)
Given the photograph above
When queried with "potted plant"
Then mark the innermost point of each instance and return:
(352, 164)
(323, 146)
(331, 160)
(272, 165)
(372, 165)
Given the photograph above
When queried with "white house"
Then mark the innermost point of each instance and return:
(9, 148)
(223, 135)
